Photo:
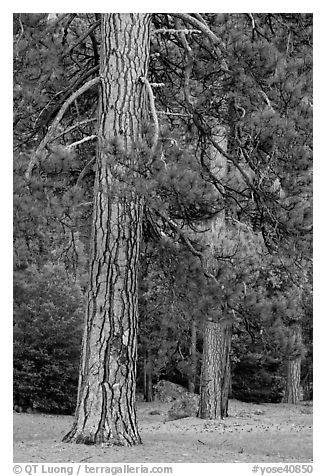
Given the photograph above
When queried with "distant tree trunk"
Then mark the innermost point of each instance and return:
(145, 377)
(215, 374)
(105, 410)
(193, 357)
(148, 376)
(293, 388)
(292, 392)
(215, 371)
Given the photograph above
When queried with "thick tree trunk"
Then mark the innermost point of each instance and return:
(105, 410)
(293, 389)
(193, 357)
(215, 374)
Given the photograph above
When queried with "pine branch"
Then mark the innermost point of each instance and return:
(40, 151)
(224, 153)
(183, 236)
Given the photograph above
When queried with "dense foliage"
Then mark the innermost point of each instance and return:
(260, 93)
(48, 321)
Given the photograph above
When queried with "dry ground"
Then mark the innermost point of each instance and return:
(252, 433)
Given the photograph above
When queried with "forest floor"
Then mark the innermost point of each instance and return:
(251, 433)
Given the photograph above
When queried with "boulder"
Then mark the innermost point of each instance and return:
(167, 392)
(185, 406)
(155, 412)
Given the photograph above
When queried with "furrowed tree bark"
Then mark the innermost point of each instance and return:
(215, 376)
(105, 412)
(292, 390)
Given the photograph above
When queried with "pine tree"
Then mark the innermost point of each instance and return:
(106, 397)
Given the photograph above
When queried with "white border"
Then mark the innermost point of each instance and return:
(319, 195)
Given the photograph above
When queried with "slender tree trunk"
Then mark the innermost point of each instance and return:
(292, 390)
(215, 375)
(148, 382)
(193, 357)
(105, 410)
(145, 377)
(149, 375)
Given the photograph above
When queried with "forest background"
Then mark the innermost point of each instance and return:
(176, 349)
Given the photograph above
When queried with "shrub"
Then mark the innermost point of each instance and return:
(48, 316)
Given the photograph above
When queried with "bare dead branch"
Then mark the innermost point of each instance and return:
(75, 126)
(57, 101)
(203, 28)
(20, 34)
(288, 45)
(43, 110)
(241, 109)
(199, 17)
(153, 112)
(71, 17)
(81, 141)
(83, 172)
(40, 151)
(253, 24)
(234, 162)
(173, 31)
(168, 113)
(198, 24)
(157, 85)
(266, 100)
(189, 64)
(84, 204)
